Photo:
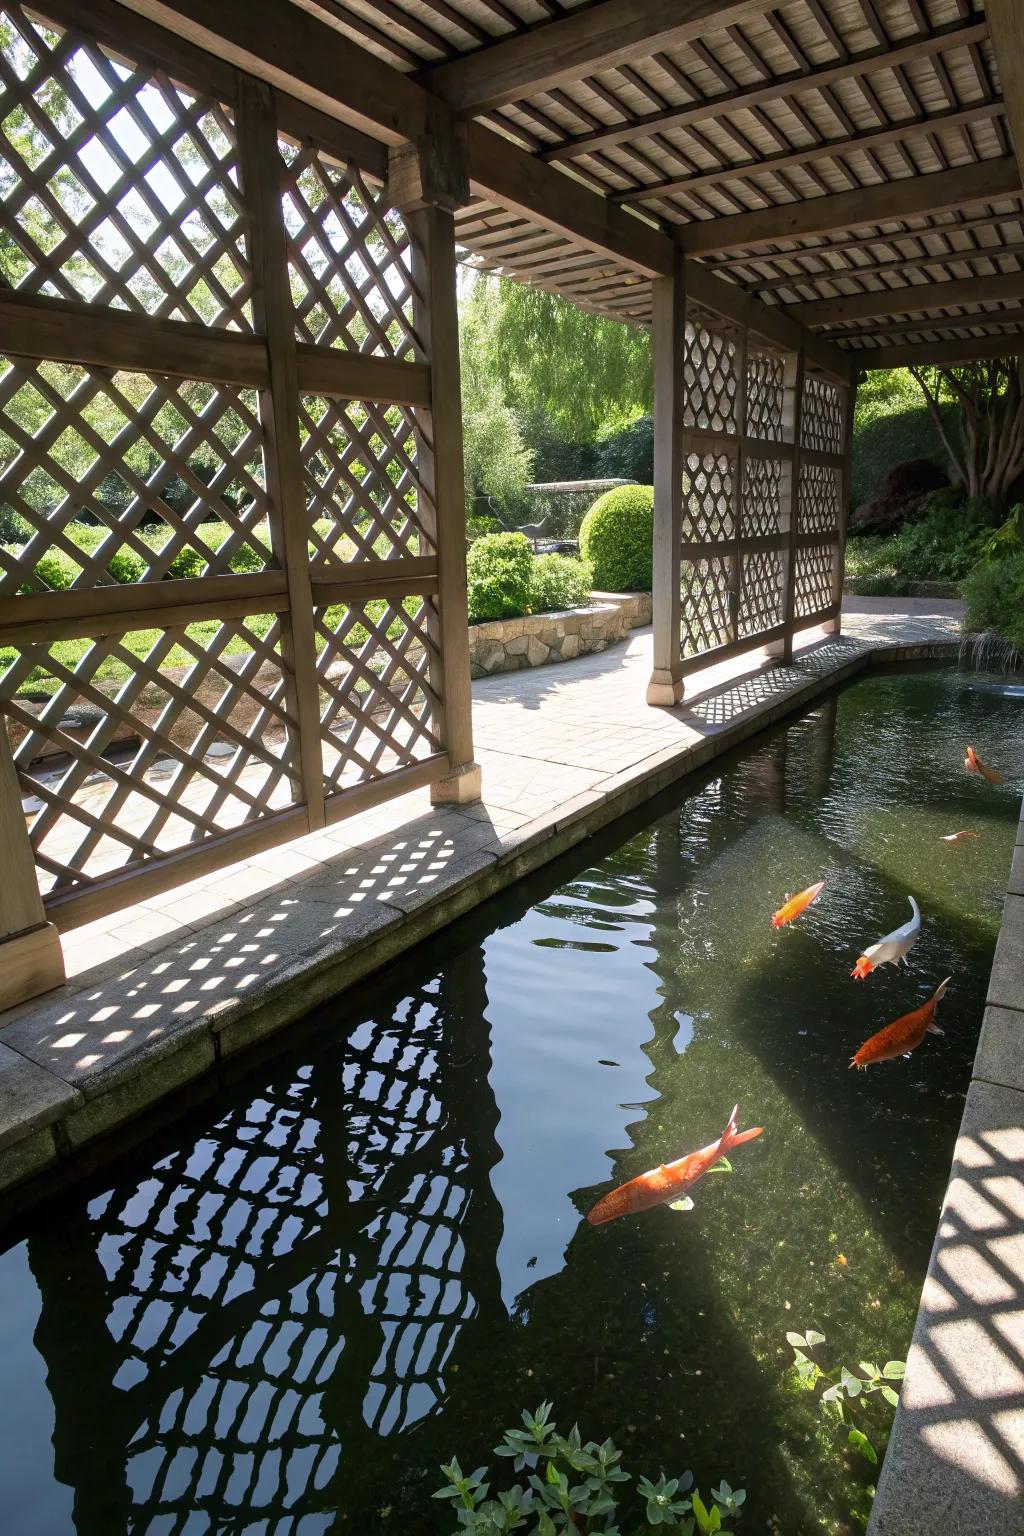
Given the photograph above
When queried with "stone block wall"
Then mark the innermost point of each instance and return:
(508, 645)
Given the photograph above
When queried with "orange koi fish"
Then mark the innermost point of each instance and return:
(797, 904)
(974, 764)
(904, 1034)
(670, 1182)
(957, 837)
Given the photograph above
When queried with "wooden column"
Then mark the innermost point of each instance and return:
(794, 411)
(426, 183)
(31, 959)
(274, 318)
(849, 396)
(668, 342)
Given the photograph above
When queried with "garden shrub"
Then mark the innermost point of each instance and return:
(13, 527)
(125, 565)
(994, 594)
(56, 570)
(944, 545)
(617, 538)
(629, 453)
(479, 527)
(498, 571)
(558, 581)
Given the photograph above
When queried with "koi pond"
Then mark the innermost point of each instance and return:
(282, 1314)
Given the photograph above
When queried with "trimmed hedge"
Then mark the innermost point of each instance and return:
(498, 570)
(57, 569)
(617, 538)
(558, 581)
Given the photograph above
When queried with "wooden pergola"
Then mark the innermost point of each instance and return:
(787, 192)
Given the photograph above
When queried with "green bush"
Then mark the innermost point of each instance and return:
(617, 537)
(994, 594)
(944, 545)
(126, 566)
(13, 527)
(55, 570)
(557, 581)
(498, 571)
(479, 527)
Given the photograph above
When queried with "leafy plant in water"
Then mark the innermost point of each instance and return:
(572, 1486)
(846, 1394)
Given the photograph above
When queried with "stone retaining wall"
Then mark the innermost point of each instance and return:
(508, 645)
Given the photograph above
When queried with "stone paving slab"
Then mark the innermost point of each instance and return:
(163, 994)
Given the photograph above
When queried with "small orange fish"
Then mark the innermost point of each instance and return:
(903, 1034)
(797, 904)
(670, 1182)
(974, 764)
(957, 837)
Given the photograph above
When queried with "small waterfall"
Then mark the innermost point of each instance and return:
(988, 652)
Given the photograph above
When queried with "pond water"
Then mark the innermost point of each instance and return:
(283, 1313)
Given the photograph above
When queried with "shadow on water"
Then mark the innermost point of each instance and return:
(283, 1313)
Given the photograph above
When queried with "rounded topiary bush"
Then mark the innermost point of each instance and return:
(617, 536)
(498, 571)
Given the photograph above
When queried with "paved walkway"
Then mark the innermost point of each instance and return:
(162, 994)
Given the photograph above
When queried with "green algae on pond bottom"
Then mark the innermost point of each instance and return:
(284, 1312)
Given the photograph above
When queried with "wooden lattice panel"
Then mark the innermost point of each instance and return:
(149, 461)
(707, 605)
(766, 397)
(379, 711)
(761, 592)
(814, 566)
(711, 380)
(365, 498)
(116, 185)
(147, 742)
(708, 502)
(820, 498)
(761, 511)
(349, 258)
(822, 415)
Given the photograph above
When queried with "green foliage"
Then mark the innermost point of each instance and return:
(557, 581)
(496, 461)
(628, 454)
(57, 570)
(478, 527)
(498, 572)
(994, 594)
(891, 424)
(944, 545)
(846, 1397)
(13, 527)
(572, 1486)
(617, 538)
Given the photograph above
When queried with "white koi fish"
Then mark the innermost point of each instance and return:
(893, 948)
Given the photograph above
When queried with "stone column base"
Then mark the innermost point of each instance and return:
(461, 787)
(664, 688)
(30, 963)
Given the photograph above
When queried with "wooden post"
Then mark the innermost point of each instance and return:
(794, 412)
(849, 396)
(273, 316)
(31, 959)
(668, 342)
(426, 182)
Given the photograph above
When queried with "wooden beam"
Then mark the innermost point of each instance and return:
(961, 226)
(909, 197)
(596, 37)
(771, 322)
(785, 86)
(911, 299)
(359, 376)
(825, 149)
(1006, 26)
(876, 333)
(967, 349)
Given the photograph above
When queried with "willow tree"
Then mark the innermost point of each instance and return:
(983, 435)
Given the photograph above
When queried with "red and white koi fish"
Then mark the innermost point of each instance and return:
(893, 948)
(794, 905)
(660, 1186)
(903, 1034)
(974, 764)
(957, 837)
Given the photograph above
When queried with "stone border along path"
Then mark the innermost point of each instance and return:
(163, 995)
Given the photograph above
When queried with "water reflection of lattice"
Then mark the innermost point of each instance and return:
(287, 1285)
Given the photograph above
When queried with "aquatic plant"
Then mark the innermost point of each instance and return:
(845, 1394)
(572, 1486)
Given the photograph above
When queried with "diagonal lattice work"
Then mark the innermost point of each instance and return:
(766, 397)
(379, 709)
(761, 508)
(283, 1292)
(117, 186)
(707, 605)
(349, 258)
(711, 380)
(146, 742)
(708, 508)
(813, 579)
(822, 419)
(761, 592)
(364, 494)
(115, 477)
(819, 504)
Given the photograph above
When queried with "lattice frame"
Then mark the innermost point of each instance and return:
(761, 513)
(711, 380)
(762, 592)
(708, 605)
(823, 416)
(709, 497)
(820, 498)
(766, 396)
(813, 579)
